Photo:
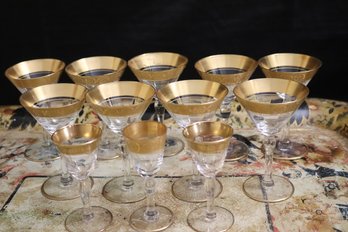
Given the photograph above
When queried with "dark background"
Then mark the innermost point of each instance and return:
(70, 30)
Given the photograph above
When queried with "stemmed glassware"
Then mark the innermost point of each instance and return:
(93, 71)
(119, 104)
(270, 102)
(55, 106)
(295, 67)
(145, 142)
(158, 69)
(78, 145)
(209, 142)
(230, 70)
(187, 102)
(30, 74)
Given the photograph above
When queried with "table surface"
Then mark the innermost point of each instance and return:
(319, 203)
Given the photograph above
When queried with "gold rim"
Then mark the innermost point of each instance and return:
(37, 94)
(117, 89)
(176, 61)
(62, 136)
(308, 64)
(251, 87)
(53, 67)
(115, 66)
(244, 64)
(192, 87)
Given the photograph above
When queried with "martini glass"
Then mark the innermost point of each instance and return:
(55, 106)
(187, 102)
(145, 142)
(78, 145)
(230, 70)
(93, 71)
(30, 74)
(158, 69)
(119, 104)
(209, 142)
(295, 67)
(270, 102)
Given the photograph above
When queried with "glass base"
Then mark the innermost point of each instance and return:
(280, 191)
(39, 153)
(173, 146)
(222, 222)
(115, 191)
(108, 151)
(290, 151)
(53, 189)
(102, 218)
(163, 221)
(237, 150)
(185, 191)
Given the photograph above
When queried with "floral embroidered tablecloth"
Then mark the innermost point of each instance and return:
(320, 201)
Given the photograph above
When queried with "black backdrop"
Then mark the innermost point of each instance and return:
(69, 30)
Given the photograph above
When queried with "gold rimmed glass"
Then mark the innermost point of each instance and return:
(30, 74)
(93, 71)
(159, 69)
(119, 104)
(145, 142)
(295, 67)
(78, 146)
(230, 70)
(187, 102)
(55, 106)
(270, 102)
(208, 142)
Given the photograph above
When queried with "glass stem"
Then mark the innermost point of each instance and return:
(210, 189)
(150, 213)
(46, 138)
(285, 141)
(159, 110)
(128, 182)
(66, 178)
(85, 189)
(269, 144)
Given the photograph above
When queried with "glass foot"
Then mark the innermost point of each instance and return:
(37, 152)
(186, 190)
(290, 151)
(197, 219)
(102, 218)
(53, 189)
(163, 221)
(108, 151)
(236, 150)
(280, 191)
(115, 191)
(173, 146)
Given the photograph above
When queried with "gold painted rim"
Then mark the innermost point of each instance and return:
(77, 67)
(208, 63)
(62, 136)
(95, 96)
(37, 94)
(137, 63)
(251, 87)
(18, 70)
(312, 64)
(192, 87)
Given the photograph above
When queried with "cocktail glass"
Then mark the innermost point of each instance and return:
(158, 69)
(30, 74)
(93, 71)
(295, 67)
(209, 142)
(187, 102)
(230, 70)
(270, 102)
(78, 146)
(145, 142)
(55, 106)
(119, 104)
